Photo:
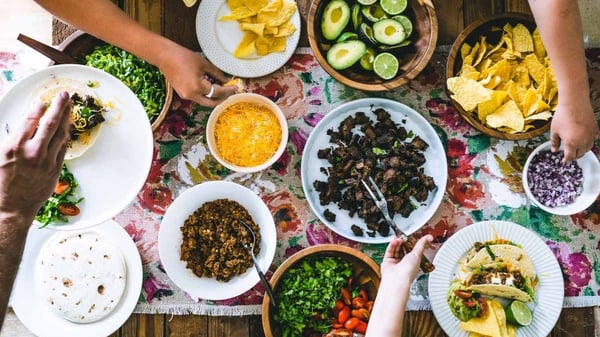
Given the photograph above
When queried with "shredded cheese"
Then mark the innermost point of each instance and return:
(247, 134)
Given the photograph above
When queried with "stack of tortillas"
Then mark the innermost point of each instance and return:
(81, 275)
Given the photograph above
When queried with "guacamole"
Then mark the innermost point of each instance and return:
(459, 306)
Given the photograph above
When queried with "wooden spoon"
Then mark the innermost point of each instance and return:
(58, 56)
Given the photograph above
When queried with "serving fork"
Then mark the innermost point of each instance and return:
(263, 279)
(381, 203)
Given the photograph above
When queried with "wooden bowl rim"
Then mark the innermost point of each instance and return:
(468, 117)
(169, 88)
(385, 86)
(289, 262)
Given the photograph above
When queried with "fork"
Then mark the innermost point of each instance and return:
(381, 203)
(263, 279)
(409, 241)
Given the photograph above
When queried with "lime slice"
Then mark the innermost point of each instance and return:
(518, 313)
(366, 2)
(405, 22)
(393, 7)
(386, 65)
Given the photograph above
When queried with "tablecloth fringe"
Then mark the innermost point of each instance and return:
(197, 309)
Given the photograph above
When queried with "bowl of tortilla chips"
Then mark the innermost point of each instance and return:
(499, 77)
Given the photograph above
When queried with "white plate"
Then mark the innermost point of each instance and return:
(219, 39)
(550, 290)
(32, 309)
(169, 239)
(435, 166)
(591, 184)
(112, 171)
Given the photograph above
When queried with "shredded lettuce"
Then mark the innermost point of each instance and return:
(49, 211)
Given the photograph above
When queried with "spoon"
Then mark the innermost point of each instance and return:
(263, 279)
(58, 56)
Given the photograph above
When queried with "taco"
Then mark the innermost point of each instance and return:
(501, 250)
(502, 280)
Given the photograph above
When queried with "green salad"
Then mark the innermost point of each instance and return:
(310, 290)
(62, 203)
(144, 79)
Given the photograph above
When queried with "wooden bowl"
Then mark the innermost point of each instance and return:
(364, 270)
(80, 44)
(413, 58)
(471, 35)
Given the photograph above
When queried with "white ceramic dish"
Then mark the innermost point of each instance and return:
(219, 39)
(247, 98)
(436, 166)
(112, 171)
(39, 318)
(550, 290)
(169, 239)
(591, 183)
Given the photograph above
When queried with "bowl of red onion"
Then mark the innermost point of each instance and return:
(561, 188)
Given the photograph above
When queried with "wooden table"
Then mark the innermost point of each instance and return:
(172, 19)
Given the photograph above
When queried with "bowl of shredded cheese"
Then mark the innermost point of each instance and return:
(247, 133)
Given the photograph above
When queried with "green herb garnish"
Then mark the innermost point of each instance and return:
(49, 212)
(309, 290)
(144, 79)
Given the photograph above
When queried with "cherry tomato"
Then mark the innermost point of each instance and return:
(346, 297)
(61, 187)
(464, 294)
(364, 295)
(337, 325)
(361, 327)
(361, 313)
(369, 305)
(483, 306)
(68, 209)
(470, 303)
(343, 315)
(358, 302)
(338, 305)
(351, 323)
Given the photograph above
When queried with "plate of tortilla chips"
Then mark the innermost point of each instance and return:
(522, 251)
(500, 79)
(248, 38)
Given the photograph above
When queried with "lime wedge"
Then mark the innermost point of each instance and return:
(386, 65)
(406, 24)
(518, 313)
(393, 7)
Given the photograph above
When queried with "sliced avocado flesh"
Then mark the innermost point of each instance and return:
(389, 32)
(335, 18)
(356, 16)
(365, 33)
(373, 12)
(345, 54)
(366, 61)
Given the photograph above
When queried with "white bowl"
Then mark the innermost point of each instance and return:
(247, 98)
(591, 183)
(170, 239)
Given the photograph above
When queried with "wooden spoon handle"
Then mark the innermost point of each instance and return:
(59, 57)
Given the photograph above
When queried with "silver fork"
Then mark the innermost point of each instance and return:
(263, 279)
(381, 203)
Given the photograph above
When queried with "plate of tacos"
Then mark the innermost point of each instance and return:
(109, 155)
(488, 268)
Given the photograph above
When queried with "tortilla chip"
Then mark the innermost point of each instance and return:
(486, 108)
(255, 5)
(465, 49)
(274, 19)
(538, 46)
(467, 92)
(286, 29)
(233, 4)
(238, 13)
(247, 46)
(486, 325)
(522, 40)
(256, 28)
(508, 115)
(535, 68)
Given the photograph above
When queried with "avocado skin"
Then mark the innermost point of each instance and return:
(330, 29)
(345, 54)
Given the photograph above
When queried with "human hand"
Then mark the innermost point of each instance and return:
(31, 158)
(187, 71)
(575, 127)
(395, 265)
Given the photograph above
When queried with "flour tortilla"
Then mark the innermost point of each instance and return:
(75, 149)
(82, 276)
(512, 254)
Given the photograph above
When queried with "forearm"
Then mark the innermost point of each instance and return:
(13, 232)
(388, 312)
(108, 22)
(559, 24)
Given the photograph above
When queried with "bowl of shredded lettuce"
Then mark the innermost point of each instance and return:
(144, 79)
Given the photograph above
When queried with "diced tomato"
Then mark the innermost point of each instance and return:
(61, 187)
(68, 209)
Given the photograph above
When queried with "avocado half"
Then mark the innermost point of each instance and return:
(335, 18)
(345, 54)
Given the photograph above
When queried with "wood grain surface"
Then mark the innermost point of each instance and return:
(172, 19)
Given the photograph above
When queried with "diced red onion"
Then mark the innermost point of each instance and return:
(552, 182)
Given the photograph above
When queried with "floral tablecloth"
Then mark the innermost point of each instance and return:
(484, 183)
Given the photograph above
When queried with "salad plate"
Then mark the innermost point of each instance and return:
(113, 170)
(550, 289)
(219, 39)
(31, 308)
(435, 167)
